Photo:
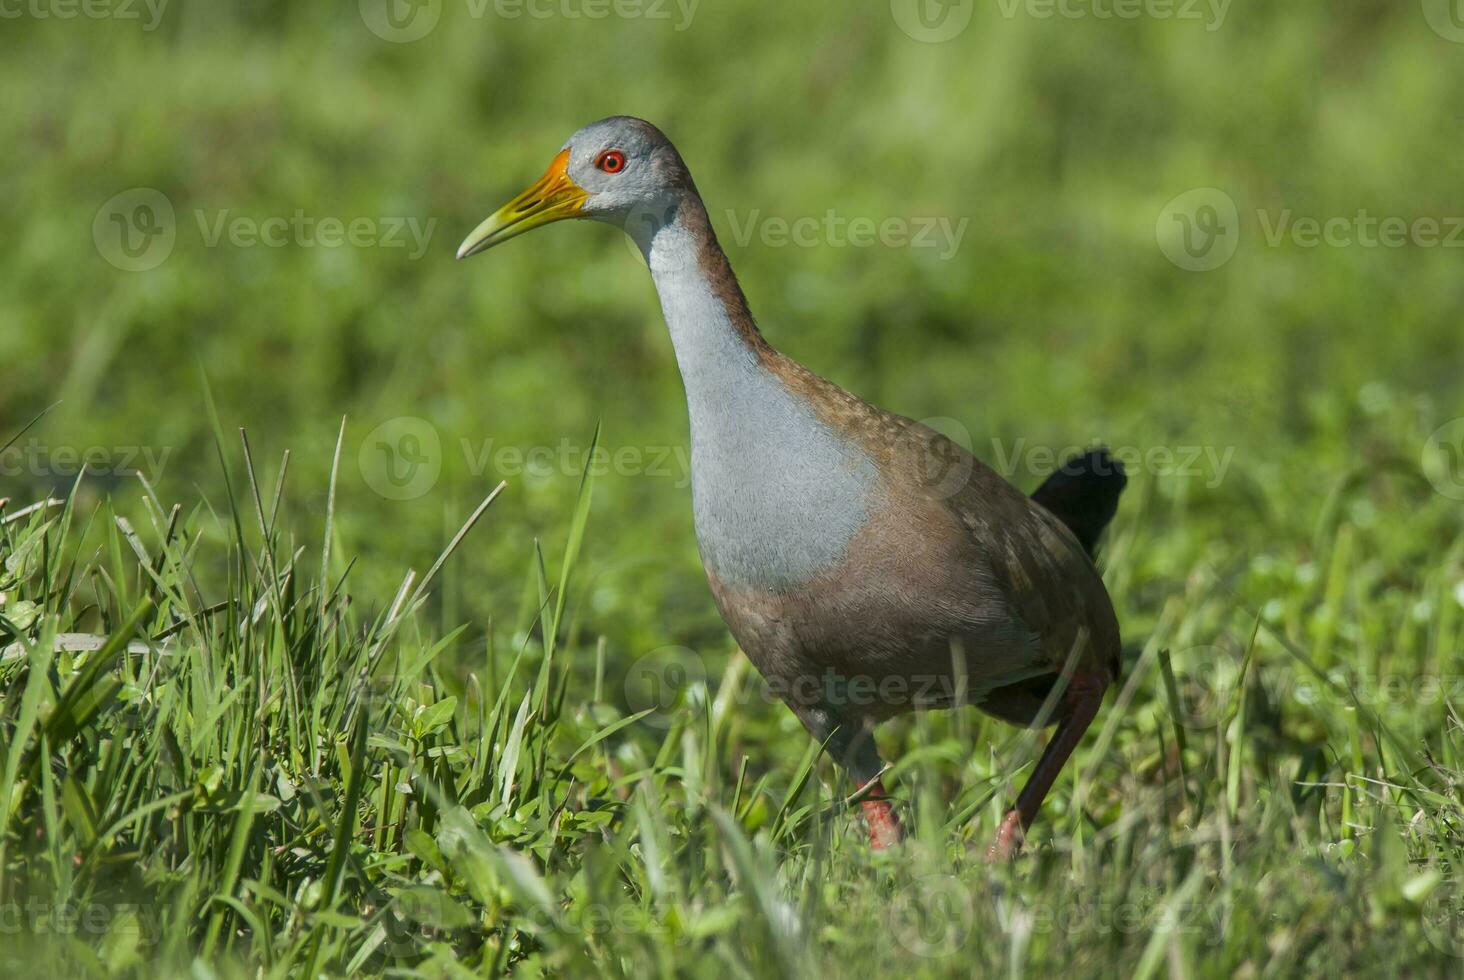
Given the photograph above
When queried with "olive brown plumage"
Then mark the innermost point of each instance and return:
(866, 564)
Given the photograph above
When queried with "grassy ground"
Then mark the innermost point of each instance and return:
(285, 780)
(294, 752)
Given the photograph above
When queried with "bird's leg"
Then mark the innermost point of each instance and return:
(885, 829)
(1080, 705)
(852, 746)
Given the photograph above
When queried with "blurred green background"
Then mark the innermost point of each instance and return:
(1057, 321)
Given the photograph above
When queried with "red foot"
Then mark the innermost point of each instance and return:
(884, 827)
(1008, 839)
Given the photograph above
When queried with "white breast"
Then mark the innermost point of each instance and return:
(777, 495)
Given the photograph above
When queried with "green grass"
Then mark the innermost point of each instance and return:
(272, 772)
(260, 770)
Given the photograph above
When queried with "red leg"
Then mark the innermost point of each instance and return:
(852, 745)
(884, 826)
(1080, 705)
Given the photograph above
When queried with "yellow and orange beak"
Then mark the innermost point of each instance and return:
(553, 197)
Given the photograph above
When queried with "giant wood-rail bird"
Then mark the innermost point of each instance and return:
(860, 579)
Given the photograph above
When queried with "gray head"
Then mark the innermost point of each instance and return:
(611, 170)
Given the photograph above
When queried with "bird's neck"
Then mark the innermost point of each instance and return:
(716, 340)
(776, 492)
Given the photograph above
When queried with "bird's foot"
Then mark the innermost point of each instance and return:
(1008, 839)
(884, 826)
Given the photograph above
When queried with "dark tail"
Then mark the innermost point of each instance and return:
(1083, 494)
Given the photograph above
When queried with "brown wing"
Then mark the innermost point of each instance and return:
(1031, 558)
(1018, 549)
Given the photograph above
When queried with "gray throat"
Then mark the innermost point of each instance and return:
(776, 494)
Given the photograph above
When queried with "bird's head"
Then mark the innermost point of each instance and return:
(614, 170)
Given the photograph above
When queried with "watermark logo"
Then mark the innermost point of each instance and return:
(938, 454)
(301, 230)
(646, 221)
(933, 916)
(137, 922)
(135, 230)
(1208, 682)
(679, 12)
(1360, 230)
(664, 681)
(1446, 17)
(644, 224)
(1443, 459)
(400, 21)
(38, 459)
(149, 12)
(401, 458)
(932, 21)
(1199, 230)
(1442, 916)
(571, 459)
(404, 21)
(1211, 12)
(1021, 459)
(834, 230)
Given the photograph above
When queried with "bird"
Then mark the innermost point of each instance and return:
(866, 564)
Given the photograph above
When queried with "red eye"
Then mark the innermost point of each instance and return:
(611, 161)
